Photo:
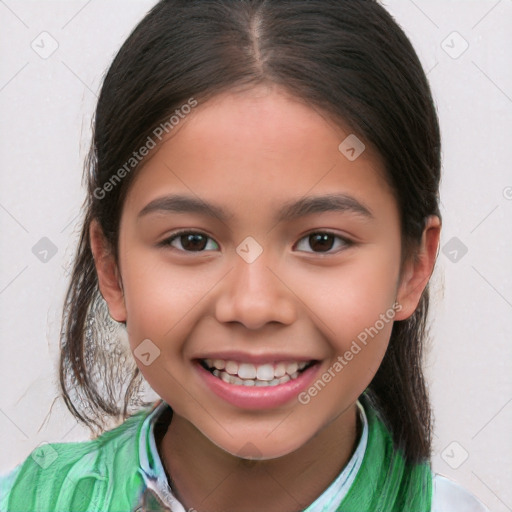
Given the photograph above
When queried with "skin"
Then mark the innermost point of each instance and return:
(249, 152)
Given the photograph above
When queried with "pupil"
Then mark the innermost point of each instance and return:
(321, 241)
(194, 239)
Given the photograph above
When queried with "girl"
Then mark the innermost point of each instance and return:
(262, 216)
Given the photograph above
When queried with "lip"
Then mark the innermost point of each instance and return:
(256, 397)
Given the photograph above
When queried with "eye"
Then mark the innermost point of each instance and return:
(324, 241)
(190, 241)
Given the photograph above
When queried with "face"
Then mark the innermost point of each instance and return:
(264, 288)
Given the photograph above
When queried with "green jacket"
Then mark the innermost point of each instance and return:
(105, 475)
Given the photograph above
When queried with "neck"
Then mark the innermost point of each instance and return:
(206, 478)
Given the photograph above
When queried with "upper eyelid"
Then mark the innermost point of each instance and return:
(345, 239)
(170, 238)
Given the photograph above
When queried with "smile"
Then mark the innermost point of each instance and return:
(248, 374)
(257, 382)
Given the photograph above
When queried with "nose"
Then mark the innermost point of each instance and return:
(254, 294)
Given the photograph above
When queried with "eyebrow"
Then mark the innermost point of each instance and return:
(289, 211)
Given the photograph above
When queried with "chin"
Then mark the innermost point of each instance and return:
(265, 448)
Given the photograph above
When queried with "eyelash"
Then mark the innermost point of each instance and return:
(346, 242)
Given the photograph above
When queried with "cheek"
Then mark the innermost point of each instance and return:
(162, 299)
(351, 298)
(155, 299)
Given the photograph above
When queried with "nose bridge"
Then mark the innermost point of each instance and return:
(255, 277)
(253, 294)
(253, 260)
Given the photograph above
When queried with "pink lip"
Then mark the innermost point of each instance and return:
(252, 397)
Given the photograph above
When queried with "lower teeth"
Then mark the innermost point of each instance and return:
(233, 379)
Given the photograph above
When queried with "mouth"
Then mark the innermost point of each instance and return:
(258, 375)
(257, 382)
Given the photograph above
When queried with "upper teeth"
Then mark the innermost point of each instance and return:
(254, 374)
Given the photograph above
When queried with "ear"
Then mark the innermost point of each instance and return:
(418, 269)
(109, 278)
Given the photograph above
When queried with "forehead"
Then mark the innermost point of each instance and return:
(256, 145)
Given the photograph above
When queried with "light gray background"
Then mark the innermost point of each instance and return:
(46, 104)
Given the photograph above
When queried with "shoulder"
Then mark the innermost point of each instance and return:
(6, 482)
(449, 496)
(55, 455)
(47, 470)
